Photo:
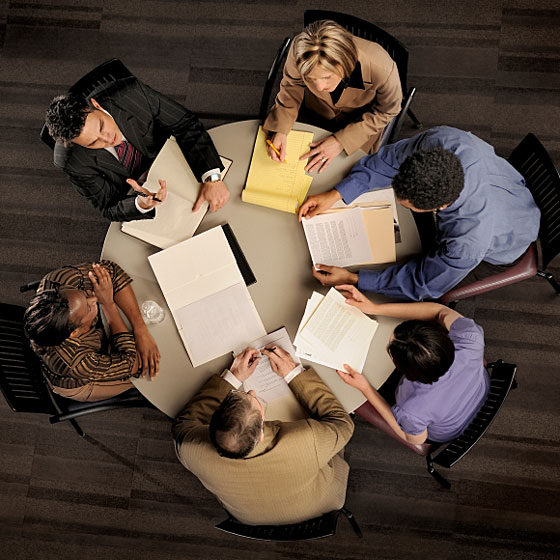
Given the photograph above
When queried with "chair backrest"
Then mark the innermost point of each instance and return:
(532, 160)
(21, 380)
(273, 79)
(105, 73)
(501, 379)
(316, 528)
(365, 30)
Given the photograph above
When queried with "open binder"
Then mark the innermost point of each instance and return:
(350, 236)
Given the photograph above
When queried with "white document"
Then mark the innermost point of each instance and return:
(206, 295)
(338, 238)
(212, 326)
(336, 333)
(174, 220)
(264, 381)
(377, 196)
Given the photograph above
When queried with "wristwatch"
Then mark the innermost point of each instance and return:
(213, 178)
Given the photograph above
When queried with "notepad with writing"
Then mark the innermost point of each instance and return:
(282, 186)
(174, 221)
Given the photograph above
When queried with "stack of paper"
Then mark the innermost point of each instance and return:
(207, 296)
(282, 186)
(264, 381)
(333, 333)
(174, 220)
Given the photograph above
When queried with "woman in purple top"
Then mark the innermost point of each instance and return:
(440, 355)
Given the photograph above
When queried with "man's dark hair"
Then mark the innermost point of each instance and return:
(235, 426)
(421, 350)
(66, 116)
(47, 319)
(429, 179)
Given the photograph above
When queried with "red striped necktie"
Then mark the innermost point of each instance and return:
(129, 156)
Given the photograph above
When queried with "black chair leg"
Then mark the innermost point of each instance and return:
(77, 427)
(350, 516)
(413, 118)
(551, 280)
(440, 478)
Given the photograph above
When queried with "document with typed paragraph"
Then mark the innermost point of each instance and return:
(351, 236)
(333, 333)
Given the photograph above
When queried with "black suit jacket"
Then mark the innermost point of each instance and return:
(146, 118)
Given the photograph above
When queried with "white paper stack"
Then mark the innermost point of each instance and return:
(333, 333)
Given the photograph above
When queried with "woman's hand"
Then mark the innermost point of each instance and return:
(354, 379)
(102, 284)
(322, 153)
(280, 142)
(147, 352)
(355, 298)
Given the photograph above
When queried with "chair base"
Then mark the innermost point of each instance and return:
(551, 280)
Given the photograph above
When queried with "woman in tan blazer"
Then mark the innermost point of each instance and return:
(345, 84)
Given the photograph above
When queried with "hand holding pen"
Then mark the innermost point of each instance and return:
(277, 148)
(148, 199)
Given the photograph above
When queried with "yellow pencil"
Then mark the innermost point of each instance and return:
(274, 148)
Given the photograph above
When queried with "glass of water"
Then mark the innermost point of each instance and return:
(152, 312)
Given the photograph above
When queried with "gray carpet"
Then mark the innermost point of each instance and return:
(491, 67)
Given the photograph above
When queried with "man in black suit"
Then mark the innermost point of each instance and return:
(89, 148)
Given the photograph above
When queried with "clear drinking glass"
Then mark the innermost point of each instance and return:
(152, 312)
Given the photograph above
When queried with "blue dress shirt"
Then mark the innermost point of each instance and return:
(494, 219)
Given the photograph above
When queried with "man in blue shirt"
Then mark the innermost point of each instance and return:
(486, 217)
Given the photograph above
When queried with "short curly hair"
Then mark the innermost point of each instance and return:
(235, 426)
(429, 179)
(66, 116)
(47, 319)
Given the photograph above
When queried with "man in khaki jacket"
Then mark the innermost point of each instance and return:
(266, 472)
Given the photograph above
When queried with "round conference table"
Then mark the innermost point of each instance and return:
(275, 247)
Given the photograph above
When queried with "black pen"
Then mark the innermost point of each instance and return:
(148, 195)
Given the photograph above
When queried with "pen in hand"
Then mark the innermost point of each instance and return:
(275, 149)
(154, 198)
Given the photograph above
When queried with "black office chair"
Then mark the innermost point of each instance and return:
(365, 30)
(502, 379)
(105, 73)
(532, 160)
(316, 528)
(24, 387)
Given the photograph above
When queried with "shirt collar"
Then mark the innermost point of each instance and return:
(355, 80)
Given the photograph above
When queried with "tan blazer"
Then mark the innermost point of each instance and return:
(371, 108)
(295, 473)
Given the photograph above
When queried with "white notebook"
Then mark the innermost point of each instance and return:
(207, 296)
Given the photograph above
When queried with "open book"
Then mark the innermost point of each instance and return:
(282, 186)
(174, 221)
(353, 235)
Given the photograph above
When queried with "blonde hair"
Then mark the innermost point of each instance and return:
(327, 44)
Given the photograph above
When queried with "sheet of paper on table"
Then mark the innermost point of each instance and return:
(207, 296)
(264, 381)
(377, 196)
(282, 186)
(174, 220)
(352, 236)
(333, 333)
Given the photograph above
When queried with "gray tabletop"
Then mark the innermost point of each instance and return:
(275, 247)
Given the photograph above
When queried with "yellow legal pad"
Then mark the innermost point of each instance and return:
(282, 186)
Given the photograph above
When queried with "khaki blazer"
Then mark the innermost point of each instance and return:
(296, 472)
(370, 109)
